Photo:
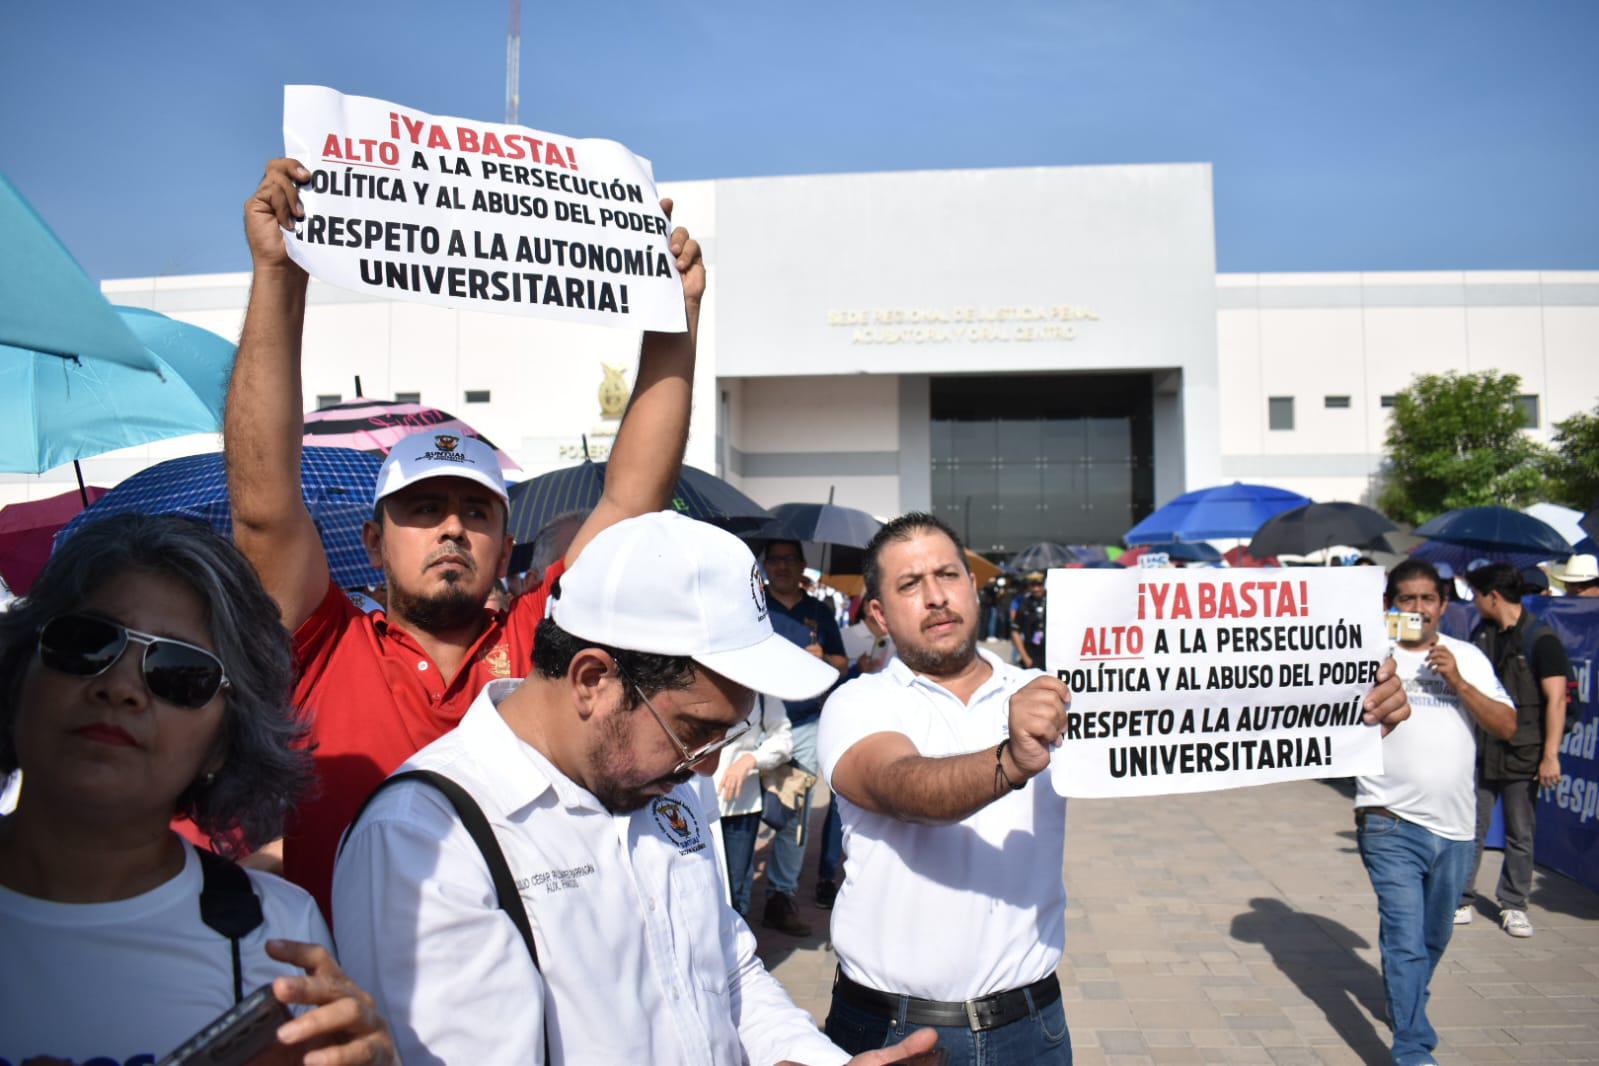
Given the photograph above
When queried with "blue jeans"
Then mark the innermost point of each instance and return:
(1040, 1038)
(832, 843)
(1417, 876)
(738, 838)
(788, 856)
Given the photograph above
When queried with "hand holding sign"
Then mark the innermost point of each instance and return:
(271, 209)
(1037, 720)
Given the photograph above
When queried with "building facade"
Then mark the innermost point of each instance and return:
(1042, 353)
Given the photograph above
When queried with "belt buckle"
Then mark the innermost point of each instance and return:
(972, 1018)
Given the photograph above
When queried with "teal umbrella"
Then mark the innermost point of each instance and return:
(58, 410)
(47, 303)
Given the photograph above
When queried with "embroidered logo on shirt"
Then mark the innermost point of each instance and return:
(498, 660)
(678, 824)
(758, 591)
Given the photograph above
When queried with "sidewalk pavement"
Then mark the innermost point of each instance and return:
(1239, 927)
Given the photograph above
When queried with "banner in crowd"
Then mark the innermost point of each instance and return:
(478, 215)
(1568, 814)
(1192, 680)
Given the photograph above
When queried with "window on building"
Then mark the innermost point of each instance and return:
(327, 399)
(1389, 399)
(1335, 403)
(477, 395)
(408, 397)
(1528, 405)
(1280, 412)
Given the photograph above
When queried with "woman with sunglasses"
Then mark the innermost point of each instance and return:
(146, 676)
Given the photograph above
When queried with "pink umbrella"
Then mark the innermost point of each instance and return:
(377, 425)
(28, 530)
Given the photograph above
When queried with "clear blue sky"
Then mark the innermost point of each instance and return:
(1345, 134)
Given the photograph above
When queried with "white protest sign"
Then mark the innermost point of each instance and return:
(1193, 680)
(478, 215)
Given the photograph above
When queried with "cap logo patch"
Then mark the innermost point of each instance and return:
(758, 592)
(447, 445)
(678, 824)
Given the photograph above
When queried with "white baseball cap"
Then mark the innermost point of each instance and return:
(434, 454)
(666, 584)
(1577, 569)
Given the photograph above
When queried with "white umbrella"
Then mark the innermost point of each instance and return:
(1566, 521)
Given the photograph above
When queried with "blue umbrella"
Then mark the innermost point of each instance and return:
(1235, 510)
(337, 484)
(47, 303)
(1498, 534)
(1187, 551)
(577, 488)
(61, 410)
(1458, 556)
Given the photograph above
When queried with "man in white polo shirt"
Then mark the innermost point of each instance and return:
(655, 644)
(953, 909)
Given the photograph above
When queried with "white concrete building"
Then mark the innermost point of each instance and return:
(1033, 353)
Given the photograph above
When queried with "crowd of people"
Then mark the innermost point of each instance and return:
(473, 831)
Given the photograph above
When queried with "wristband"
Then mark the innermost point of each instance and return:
(1000, 776)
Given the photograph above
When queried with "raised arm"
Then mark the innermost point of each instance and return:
(263, 423)
(648, 454)
(885, 774)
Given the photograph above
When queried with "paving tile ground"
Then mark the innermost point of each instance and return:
(1239, 927)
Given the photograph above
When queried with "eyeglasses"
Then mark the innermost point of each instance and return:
(177, 672)
(691, 757)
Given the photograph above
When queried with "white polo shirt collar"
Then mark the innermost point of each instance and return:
(518, 773)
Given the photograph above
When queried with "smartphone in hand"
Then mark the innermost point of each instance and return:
(236, 1036)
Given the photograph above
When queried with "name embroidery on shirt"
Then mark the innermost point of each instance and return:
(555, 880)
(678, 824)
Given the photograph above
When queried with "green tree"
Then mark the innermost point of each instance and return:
(1574, 467)
(1455, 440)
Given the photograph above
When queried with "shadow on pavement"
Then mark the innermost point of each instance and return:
(1557, 894)
(1317, 954)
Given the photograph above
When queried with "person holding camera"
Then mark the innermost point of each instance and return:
(1415, 822)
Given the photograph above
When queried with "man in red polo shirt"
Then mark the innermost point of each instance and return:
(378, 687)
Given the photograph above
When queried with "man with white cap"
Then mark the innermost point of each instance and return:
(376, 687)
(1578, 574)
(657, 639)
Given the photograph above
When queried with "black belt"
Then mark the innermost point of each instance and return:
(1361, 812)
(979, 1015)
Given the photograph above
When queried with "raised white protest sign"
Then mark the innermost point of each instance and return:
(1192, 680)
(478, 215)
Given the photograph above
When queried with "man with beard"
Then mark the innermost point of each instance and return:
(953, 908)
(379, 686)
(657, 640)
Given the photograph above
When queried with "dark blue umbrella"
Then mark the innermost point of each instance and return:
(1235, 510)
(1590, 523)
(337, 484)
(1498, 534)
(578, 488)
(1460, 556)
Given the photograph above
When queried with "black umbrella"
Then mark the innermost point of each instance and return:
(1496, 530)
(1318, 526)
(1045, 555)
(575, 488)
(839, 532)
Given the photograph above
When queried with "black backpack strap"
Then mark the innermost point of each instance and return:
(482, 834)
(228, 905)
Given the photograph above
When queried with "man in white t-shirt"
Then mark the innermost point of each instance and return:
(656, 641)
(953, 908)
(1417, 821)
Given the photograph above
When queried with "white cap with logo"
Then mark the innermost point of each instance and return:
(432, 454)
(666, 584)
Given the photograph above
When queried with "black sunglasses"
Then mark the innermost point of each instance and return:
(177, 672)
